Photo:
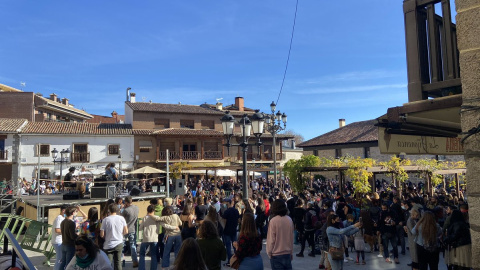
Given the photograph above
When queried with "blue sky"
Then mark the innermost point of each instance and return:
(347, 59)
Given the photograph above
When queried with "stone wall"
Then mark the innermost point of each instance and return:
(468, 36)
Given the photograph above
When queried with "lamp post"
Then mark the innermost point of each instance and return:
(246, 125)
(62, 159)
(274, 125)
(120, 174)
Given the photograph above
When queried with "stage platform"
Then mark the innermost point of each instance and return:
(50, 204)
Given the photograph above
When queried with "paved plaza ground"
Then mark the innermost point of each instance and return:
(373, 262)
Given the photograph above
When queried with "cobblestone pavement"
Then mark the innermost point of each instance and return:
(373, 261)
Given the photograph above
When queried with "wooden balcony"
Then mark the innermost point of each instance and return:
(80, 157)
(190, 155)
(258, 157)
(3, 154)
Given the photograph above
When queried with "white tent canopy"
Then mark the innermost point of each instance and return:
(240, 173)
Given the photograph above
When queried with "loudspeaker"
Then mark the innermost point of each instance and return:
(179, 187)
(72, 195)
(135, 191)
(102, 192)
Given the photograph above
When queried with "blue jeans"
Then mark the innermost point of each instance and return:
(176, 243)
(335, 264)
(58, 256)
(281, 262)
(67, 254)
(132, 242)
(228, 240)
(153, 255)
(251, 263)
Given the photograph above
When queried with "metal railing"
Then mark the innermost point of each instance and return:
(35, 238)
(212, 155)
(3, 154)
(80, 157)
(17, 251)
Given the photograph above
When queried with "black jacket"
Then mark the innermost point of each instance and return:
(458, 234)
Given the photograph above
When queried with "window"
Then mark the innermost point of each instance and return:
(315, 153)
(161, 123)
(43, 150)
(80, 153)
(44, 174)
(366, 152)
(338, 153)
(186, 123)
(113, 149)
(145, 146)
(208, 124)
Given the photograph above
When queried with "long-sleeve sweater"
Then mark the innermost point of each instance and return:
(150, 226)
(280, 236)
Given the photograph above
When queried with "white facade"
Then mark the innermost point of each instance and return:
(97, 149)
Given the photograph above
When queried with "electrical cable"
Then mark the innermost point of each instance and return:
(289, 51)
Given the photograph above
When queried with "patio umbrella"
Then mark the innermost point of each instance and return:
(147, 170)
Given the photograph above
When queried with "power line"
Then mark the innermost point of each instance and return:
(289, 51)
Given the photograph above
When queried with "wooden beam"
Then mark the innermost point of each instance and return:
(430, 87)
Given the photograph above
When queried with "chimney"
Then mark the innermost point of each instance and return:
(132, 97)
(115, 116)
(53, 96)
(341, 123)
(239, 103)
(219, 106)
(65, 101)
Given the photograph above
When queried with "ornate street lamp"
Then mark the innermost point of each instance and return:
(274, 125)
(61, 160)
(246, 125)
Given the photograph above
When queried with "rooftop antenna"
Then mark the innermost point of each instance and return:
(22, 84)
(128, 91)
(143, 99)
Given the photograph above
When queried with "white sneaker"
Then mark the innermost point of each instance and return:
(380, 255)
(349, 258)
(345, 260)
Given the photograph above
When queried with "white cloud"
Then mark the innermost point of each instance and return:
(364, 88)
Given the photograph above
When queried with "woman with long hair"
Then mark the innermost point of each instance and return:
(335, 236)
(411, 222)
(459, 241)
(172, 237)
(427, 233)
(280, 237)
(261, 217)
(188, 222)
(249, 244)
(89, 225)
(212, 248)
(190, 257)
(88, 256)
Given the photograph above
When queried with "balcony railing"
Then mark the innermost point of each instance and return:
(3, 154)
(264, 156)
(190, 155)
(80, 157)
(212, 155)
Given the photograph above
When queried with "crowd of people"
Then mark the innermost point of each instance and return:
(213, 223)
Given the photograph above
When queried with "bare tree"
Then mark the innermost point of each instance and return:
(297, 137)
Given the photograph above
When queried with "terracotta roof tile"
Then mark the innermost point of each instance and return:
(186, 131)
(172, 108)
(77, 128)
(11, 124)
(356, 132)
(143, 131)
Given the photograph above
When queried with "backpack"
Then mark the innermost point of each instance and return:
(314, 221)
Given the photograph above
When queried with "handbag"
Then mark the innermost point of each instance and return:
(336, 253)
(234, 262)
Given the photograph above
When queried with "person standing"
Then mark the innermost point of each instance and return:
(88, 256)
(130, 213)
(231, 216)
(411, 222)
(388, 230)
(57, 237)
(113, 228)
(212, 248)
(427, 233)
(459, 241)
(249, 245)
(67, 228)
(68, 179)
(149, 227)
(280, 237)
(298, 217)
(336, 236)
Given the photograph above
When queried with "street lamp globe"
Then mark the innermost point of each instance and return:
(246, 126)
(258, 123)
(279, 116)
(284, 118)
(228, 123)
(273, 107)
(54, 153)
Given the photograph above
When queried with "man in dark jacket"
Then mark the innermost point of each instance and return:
(231, 217)
(398, 211)
(309, 233)
(388, 230)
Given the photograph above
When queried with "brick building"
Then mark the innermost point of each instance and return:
(36, 108)
(192, 133)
